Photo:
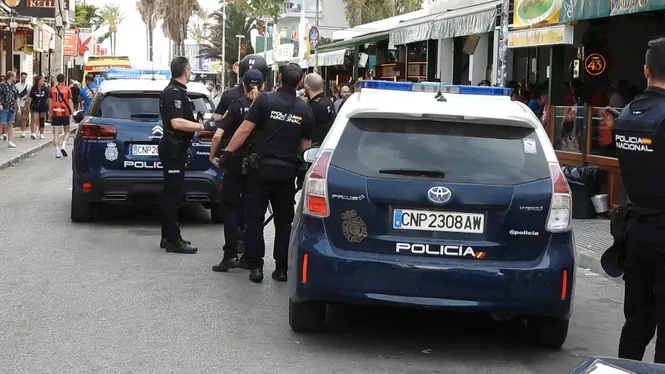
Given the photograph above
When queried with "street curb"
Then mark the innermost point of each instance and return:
(591, 260)
(26, 154)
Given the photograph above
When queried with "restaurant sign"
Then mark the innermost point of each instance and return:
(43, 8)
(552, 35)
(533, 12)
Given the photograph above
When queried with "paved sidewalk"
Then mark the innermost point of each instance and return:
(25, 147)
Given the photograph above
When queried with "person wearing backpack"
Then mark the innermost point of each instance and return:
(60, 107)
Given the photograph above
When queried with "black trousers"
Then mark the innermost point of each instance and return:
(263, 187)
(173, 157)
(233, 191)
(644, 300)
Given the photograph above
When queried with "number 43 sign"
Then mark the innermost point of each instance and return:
(595, 64)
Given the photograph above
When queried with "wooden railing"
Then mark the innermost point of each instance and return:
(583, 136)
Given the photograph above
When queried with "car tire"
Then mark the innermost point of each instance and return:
(81, 211)
(547, 332)
(307, 316)
(217, 213)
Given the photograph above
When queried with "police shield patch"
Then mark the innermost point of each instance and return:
(178, 104)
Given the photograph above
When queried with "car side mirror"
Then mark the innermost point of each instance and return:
(78, 116)
(310, 155)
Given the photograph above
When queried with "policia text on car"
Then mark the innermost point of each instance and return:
(237, 167)
(179, 125)
(639, 226)
(281, 126)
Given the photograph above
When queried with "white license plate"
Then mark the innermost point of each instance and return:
(424, 220)
(144, 150)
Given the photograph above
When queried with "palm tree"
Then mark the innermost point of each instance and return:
(111, 16)
(199, 29)
(266, 9)
(148, 15)
(175, 16)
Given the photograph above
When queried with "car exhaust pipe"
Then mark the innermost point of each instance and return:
(114, 198)
(197, 199)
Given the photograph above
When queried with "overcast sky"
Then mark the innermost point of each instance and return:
(131, 33)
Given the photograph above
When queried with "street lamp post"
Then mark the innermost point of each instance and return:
(265, 38)
(316, 46)
(13, 26)
(224, 44)
(240, 37)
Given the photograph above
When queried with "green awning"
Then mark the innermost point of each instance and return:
(370, 38)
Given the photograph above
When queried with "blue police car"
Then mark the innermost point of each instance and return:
(115, 157)
(432, 196)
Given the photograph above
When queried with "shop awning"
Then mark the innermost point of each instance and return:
(331, 58)
(477, 19)
(416, 30)
(358, 40)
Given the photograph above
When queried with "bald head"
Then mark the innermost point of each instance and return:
(313, 84)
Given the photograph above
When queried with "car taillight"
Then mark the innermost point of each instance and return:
(316, 189)
(561, 208)
(206, 136)
(89, 131)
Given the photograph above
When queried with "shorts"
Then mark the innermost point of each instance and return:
(7, 116)
(60, 121)
(41, 114)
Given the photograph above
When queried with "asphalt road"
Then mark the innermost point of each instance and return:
(103, 298)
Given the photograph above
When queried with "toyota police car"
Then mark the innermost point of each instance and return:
(115, 156)
(435, 196)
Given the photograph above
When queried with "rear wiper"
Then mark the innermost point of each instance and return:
(144, 115)
(415, 172)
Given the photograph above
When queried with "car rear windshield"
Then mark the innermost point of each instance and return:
(449, 151)
(140, 106)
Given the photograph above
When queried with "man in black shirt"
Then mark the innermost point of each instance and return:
(281, 126)
(238, 92)
(179, 125)
(322, 107)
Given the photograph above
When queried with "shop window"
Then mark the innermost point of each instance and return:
(569, 128)
(602, 133)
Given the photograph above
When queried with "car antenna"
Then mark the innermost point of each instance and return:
(439, 95)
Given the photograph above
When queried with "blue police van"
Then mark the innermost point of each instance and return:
(115, 157)
(435, 196)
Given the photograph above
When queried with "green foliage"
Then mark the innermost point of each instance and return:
(239, 21)
(359, 12)
(87, 16)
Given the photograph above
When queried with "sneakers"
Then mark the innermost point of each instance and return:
(41, 136)
(4, 137)
(24, 135)
(63, 150)
(11, 144)
(33, 136)
(57, 152)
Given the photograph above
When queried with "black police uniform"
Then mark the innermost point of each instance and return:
(640, 145)
(174, 154)
(234, 177)
(324, 115)
(282, 121)
(228, 97)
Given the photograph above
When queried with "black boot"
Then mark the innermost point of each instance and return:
(226, 265)
(243, 263)
(256, 275)
(279, 275)
(164, 242)
(180, 246)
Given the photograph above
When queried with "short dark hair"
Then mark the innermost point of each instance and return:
(655, 59)
(178, 66)
(60, 78)
(89, 78)
(291, 75)
(24, 74)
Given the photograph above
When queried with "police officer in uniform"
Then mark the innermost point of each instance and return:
(639, 227)
(322, 107)
(281, 126)
(236, 167)
(179, 125)
(248, 62)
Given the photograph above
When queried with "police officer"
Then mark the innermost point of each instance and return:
(321, 106)
(281, 126)
(236, 167)
(179, 125)
(640, 145)
(248, 62)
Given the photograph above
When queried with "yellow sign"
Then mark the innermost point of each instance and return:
(533, 12)
(561, 34)
(595, 64)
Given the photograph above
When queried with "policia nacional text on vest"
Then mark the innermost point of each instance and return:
(638, 227)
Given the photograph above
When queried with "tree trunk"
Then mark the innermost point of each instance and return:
(150, 38)
(115, 40)
(111, 42)
(147, 42)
